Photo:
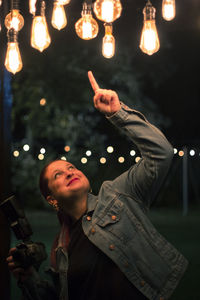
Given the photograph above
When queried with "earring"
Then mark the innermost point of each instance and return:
(54, 204)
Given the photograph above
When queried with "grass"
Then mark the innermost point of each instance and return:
(182, 232)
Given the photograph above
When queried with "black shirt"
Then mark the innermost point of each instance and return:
(92, 275)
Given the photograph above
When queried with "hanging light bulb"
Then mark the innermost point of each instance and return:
(87, 27)
(168, 9)
(32, 8)
(40, 38)
(59, 19)
(108, 46)
(149, 42)
(13, 61)
(14, 19)
(107, 10)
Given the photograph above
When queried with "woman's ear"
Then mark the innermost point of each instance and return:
(53, 202)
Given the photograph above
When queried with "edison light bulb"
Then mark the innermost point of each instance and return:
(32, 8)
(14, 20)
(59, 19)
(108, 46)
(107, 10)
(13, 61)
(168, 9)
(149, 42)
(86, 27)
(40, 38)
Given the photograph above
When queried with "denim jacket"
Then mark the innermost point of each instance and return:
(116, 220)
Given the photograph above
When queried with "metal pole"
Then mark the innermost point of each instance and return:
(185, 181)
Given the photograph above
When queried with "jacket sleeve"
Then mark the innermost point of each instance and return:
(144, 179)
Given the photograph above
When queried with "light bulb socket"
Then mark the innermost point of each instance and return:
(40, 8)
(87, 8)
(108, 28)
(149, 11)
(12, 36)
(15, 4)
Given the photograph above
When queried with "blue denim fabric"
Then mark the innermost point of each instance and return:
(119, 225)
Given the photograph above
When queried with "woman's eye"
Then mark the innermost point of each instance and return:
(71, 168)
(57, 174)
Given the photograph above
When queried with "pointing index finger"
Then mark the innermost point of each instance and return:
(93, 82)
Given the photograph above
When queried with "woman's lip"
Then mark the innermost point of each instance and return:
(72, 181)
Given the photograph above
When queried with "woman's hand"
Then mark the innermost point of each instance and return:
(106, 101)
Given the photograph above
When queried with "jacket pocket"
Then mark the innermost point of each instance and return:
(111, 213)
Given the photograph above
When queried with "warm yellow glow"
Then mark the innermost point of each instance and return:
(168, 9)
(67, 148)
(108, 46)
(137, 159)
(181, 153)
(13, 61)
(132, 152)
(40, 38)
(102, 160)
(121, 159)
(88, 153)
(32, 8)
(84, 160)
(16, 153)
(43, 102)
(63, 2)
(108, 10)
(87, 27)
(149, 42)
(59, 20)
(41, 156)
(14, 20)
(110, 149)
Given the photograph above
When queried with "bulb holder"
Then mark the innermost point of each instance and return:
(149, 12)
(14, 4)
(40, 8)
(87, 9)
(12, 35)
(108, 28)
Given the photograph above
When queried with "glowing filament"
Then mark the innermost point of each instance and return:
(13, 62)
(107, 11)
(40, 38)
(168, 9)
(59, 19)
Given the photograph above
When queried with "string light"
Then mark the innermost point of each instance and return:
(132, 152)
(168, 9)
(42, 150)
(110, 149)
(59, 19)
(40, 38)
(149, 42)
(88, 153)
(43, 102)
(108, 46)
(107, 10)
(121, 159)
(84, 160)
(87, 27)
(16, 153)
(41, 156)
(26, 147)
(102, 160)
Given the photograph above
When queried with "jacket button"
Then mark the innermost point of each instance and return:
(142, 283)
(93, 230)
(112, 247)
(113, 217)
(88, 218)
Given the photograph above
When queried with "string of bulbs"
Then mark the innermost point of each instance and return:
(86, 27)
